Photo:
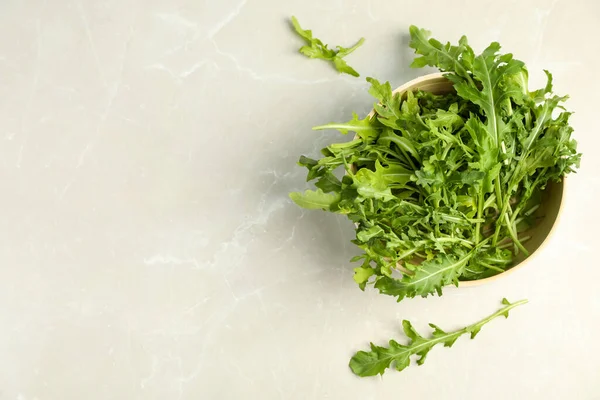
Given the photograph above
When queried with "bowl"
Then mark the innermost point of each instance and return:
(547, 214)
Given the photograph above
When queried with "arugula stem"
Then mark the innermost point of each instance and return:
(488, 266)
(524, 200)
(513, 219)
(503, 211)
(396, 155)
(345, 52)
(408, 158)
(513, 235)
(498, 260)
(408, 252)
(479, 214)
(498, 191)
(466, 242)
(506, 245)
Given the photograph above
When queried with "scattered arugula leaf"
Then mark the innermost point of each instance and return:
(441, 187)
(378, 359)
(315, 199)
(315, 48)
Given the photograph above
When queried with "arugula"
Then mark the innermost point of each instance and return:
(442, 188)
(378, 359)
(315, 48)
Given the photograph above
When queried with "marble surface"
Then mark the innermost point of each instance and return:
(148, 249)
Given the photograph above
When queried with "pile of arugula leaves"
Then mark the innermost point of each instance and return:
(441, 187)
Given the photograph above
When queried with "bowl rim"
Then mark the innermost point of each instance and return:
(461, 284)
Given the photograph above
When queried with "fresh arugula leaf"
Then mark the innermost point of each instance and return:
(365, 128)
(329, 182)
(378, 359)
(368, 234)
(315, 48)
(342, 66)
(372, 184)
(388, 108)
(362, 275)
(428, 278)
(435, 54)
(315, 199)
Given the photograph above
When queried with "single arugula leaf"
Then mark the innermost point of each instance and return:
(466, 178)
(329, 183)
(388, 109)
(342, 66)
(314, 169)
(315, 199)
(368, 234)
(362, 275)
(304, 34)
(344, 51)
(543, 114)
(435, 54)
(487, 152)
(394, 174)
(366, 128)
(389, 137)
(448, 119)
(315, 48)
(379, 358)
(373, 184)
(428, 278)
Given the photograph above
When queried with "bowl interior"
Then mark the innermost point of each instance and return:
(545, 216)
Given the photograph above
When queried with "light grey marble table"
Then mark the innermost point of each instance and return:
(149, 250)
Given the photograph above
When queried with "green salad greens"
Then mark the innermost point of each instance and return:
(315, 48)
(442, 187)
(376, 361)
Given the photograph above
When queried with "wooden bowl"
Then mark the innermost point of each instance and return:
(546, 215)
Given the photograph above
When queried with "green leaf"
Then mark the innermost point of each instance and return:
(487, 152)
(304, 34)
(307, 162)
(379, 358)
(466, 177)
(368, 234)
(382, 92)
(315, 199)
(315, 48)
(429, 278)
(432, 175)
(395, 174)
(365, 128)
(434, 54)
(543, 115)
(373, 184)
(362, 275)
(329, 183)
(389, 137)
(539, 95)
(344, 51)
(448, 120)
(342, 66)
(388, 109)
